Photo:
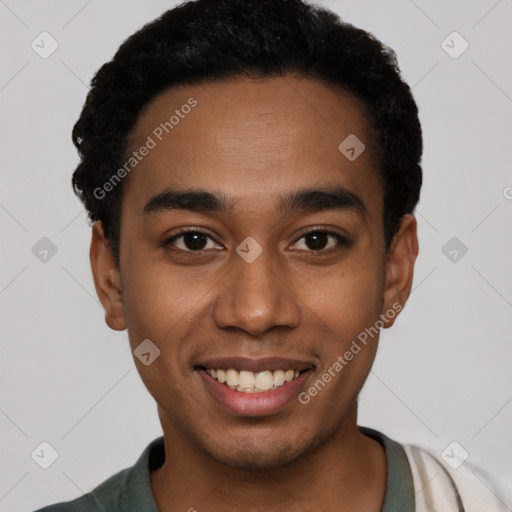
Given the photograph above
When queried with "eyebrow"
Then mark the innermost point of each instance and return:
(306, 200)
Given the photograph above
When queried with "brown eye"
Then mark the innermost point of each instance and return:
(195, 241)
(191, 241)
(320, 240)
(316, 241)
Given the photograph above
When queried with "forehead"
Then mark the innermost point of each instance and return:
(254, 138)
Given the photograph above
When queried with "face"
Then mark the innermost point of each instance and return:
(251, 246)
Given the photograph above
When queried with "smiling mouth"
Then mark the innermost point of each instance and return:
(246, 381)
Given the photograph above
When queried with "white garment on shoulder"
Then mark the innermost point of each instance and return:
(439, 488)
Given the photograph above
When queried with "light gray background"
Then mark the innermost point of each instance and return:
(442, 373)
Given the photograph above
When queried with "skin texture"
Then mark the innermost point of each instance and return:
(256, 140)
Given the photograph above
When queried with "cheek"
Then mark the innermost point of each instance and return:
(159, 300)
(346, 314)
(171, 307)
(163, 307)
(347, 298)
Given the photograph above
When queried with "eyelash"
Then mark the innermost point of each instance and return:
(341, 240)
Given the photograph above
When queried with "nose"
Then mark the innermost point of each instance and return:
(256, 297)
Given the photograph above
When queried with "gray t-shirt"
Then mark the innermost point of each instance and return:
(130, 489)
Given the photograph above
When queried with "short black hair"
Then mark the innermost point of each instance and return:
(203, 41)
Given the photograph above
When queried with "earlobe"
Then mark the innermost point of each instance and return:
(400, 269)
(107, 279)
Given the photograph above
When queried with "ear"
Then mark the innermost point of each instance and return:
(107, 279)
(400, 269)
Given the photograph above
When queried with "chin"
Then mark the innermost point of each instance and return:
(263, 455)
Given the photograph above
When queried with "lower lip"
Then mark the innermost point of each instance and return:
(254, 404)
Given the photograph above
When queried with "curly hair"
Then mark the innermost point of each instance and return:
(210, 40)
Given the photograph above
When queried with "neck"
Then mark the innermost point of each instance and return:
(346, 472)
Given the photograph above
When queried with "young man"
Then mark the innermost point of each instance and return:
(252, 168)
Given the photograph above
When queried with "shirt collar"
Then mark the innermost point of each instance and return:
(399, 495)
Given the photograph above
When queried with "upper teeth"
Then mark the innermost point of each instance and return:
(251, 382)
